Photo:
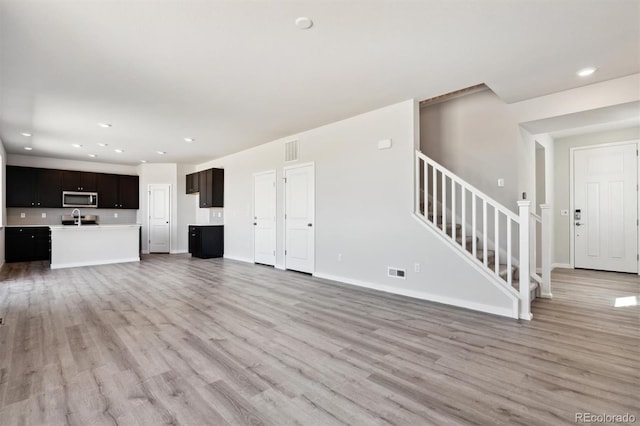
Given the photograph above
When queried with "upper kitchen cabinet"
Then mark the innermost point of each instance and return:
(193, 183)
(118, 191)
(211, 186)
(79, 181)
(31, 187)
(129, 191)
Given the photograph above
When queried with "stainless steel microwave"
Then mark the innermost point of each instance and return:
(79, 199)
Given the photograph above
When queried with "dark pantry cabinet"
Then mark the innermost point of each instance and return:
(206, 241)
(23, 244)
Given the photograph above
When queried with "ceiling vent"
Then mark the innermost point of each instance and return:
(291, 151)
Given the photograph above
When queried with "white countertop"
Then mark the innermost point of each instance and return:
(89, 227)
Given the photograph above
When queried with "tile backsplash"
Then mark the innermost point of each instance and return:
(33, 216)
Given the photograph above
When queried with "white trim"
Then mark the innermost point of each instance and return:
(284, 210)
(93, 263)
(178, 251)
(572, 231)
(561, 265)
(146, 252)
(280, 266)
(505, 312)
(239, 259)
(546, 295)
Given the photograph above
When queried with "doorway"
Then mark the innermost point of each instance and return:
(541, 198)
(159, 205)
(605, 207)
(264, 218)
(299, 218)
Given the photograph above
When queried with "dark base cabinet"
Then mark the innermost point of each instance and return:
(27, 244)
(206, 241)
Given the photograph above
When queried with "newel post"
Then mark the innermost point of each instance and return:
(545, 290)
(524, 267)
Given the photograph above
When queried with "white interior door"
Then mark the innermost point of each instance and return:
(606, 208)
(264, 218)
(159, 218)
(299, 218)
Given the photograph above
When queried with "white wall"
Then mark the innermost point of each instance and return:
(364, 205)
(162, 173)
(562, 146)
(58, 163)
(186, 208)
(477, 138)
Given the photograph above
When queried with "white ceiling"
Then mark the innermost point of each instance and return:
(235, 74)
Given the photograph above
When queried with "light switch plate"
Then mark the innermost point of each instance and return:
(22, 215)
(44, 215)
(501, 183)
(115, 215)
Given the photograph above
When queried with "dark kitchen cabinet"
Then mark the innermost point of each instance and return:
(129, 191)
(31, 187)
(193, 183)
(79, 181)
(118, 191)
(23, 244)
(206, 241)
(211, 186)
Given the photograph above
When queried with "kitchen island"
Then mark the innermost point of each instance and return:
(86, 245)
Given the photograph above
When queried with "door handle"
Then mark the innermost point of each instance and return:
(578, 224)
(309, 224)
(255, 224)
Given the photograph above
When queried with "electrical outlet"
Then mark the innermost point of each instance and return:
(23, 215)
(416, 267)
(501, 183)
(339, 257)
(44, 215)
(115, 215)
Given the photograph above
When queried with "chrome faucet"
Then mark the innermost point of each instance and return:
(77, 221)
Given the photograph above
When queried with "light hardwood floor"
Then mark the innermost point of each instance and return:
(175, 340)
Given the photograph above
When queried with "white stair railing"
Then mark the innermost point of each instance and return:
(497, 238)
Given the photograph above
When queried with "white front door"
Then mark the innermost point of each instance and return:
(264, 218)
(159, 218)
(606, 208)
(299, 218)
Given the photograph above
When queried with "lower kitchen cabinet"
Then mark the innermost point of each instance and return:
(206, 241)
(23, 244)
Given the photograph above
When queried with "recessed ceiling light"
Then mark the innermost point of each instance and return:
(161, 152)
(105, 125)
(28, 148)
(76, 145)
(585, 72)
(143, 161)
(92, 155)
(119, 151)
(102, 145)
(25, 134)
(189, 140)
(304, 23)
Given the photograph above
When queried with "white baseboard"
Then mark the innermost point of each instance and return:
(94, 263)
(561, 265)
(505, 312)
(178, 251)
(281, 267)
(146, 252)
(239, 259)
(546, 295)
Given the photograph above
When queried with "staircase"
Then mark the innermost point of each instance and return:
(490, 235)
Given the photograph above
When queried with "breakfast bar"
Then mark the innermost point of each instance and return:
(73, 246)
